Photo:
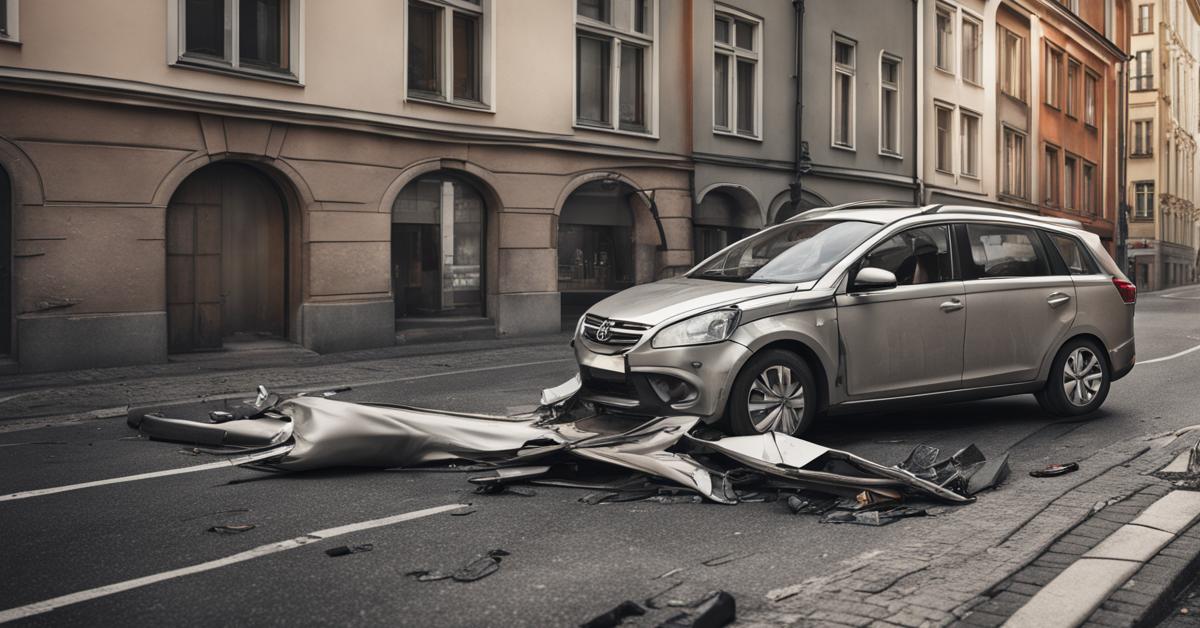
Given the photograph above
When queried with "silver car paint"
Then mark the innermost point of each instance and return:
(800, 314)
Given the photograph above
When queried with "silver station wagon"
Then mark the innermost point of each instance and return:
(865, 307)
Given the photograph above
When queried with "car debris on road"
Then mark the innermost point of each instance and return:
(566, 442)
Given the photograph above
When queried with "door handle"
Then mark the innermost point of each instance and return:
(952, 305)
(1057, 298)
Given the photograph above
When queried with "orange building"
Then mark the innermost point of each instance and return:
(1080, 103)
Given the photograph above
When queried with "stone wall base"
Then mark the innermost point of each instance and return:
(331, 327)
(528, 313)
(61, 343)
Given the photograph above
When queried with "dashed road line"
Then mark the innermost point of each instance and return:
(45, 606)
(1169, 357)
(232, 461)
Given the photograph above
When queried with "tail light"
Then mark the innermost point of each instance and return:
(1127, 289)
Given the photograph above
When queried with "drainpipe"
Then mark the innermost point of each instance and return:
(802, 162)
(919, 101)
(1123, 170)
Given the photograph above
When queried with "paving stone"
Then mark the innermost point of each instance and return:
(1131, 596)
(1109, 619)
(1153, 574)
(984, 619)
(1024, 589)
(1170, 562)
(1039, 576)
(1074, 595)
(1173, 512)
(1133, 610)
(1054, 560)
(1130, 542)
(1075, 548)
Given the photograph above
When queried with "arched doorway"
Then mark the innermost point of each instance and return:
(595, 246)
(226, 259)
(720, 220)
(438, 248)
(788, 209)
(6, 266)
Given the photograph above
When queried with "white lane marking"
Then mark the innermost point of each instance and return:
(1169, 357)
(45, 606)
(228, 462)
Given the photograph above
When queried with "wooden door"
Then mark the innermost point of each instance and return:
(225, 258)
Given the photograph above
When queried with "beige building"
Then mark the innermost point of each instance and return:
(216, 170)
(1164, 127)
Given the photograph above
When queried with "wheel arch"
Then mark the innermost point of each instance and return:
(798, 347)
(1048, 361)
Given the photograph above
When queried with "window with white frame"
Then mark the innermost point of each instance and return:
(1143, 194)
(944, 38)
(1091, 98)
(969, 128)
(1012, 164)
(615, 72)
(1012, 64)
(9, 21)
(736, 44)
(844, 69)
(1054, 76)
(943, 117)
(445, 51)
(889, 105)
(972, 43)
(1143, 138)
(1141, 72)
(1073, 68)
(249, 36)
(1051, 185)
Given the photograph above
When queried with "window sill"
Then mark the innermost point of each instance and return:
(1140, 155)
(1016, 99)
(891, 155)
(468, 105)
(739, 136)
(10, 41)
(967, 81)
(202, 65)
(942, 171)
(946, 71)
(583, 126)
(845, 147)
(971, 177)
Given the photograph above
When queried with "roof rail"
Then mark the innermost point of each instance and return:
(1007, 213)
(874, 203)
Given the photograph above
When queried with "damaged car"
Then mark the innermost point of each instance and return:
(865, 307)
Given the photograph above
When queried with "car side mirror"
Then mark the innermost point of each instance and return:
(870, 279)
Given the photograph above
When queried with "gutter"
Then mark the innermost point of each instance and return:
(796, 189)
(919, 101)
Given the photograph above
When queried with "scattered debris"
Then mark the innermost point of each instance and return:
(231, 511)
(718, 609)
(345, 550)
(668, 574)
(565, 442)
(726, 558)
(615, 616)
(462, 512)
(1054, 470)
(875, 517)
(477, 568)
(236, 528)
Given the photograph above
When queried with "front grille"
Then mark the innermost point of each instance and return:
(619, 333)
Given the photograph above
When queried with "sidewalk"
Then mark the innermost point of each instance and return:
(95, 393)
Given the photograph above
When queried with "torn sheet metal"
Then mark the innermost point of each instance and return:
(802, 461)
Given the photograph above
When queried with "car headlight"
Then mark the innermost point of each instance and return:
(706, 328)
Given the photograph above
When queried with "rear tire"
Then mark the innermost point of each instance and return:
(774, 392)
(1079, 380)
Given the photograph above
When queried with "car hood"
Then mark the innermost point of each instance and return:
(654, 303)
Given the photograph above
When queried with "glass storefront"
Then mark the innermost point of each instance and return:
(438, 248)
(595, 246)
(721, 221)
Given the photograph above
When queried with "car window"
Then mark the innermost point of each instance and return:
(788, 253)
(1078, 262)
(916, 256)
(1002, 251)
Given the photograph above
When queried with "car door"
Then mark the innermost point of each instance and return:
(1020, 303)
(907, 339)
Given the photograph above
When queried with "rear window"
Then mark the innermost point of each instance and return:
(1001, 251)
(1077, 260)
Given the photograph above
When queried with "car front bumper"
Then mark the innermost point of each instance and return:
(692, 380)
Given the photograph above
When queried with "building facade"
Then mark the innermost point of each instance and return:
(1164, 115)
(1022, 106)
(289, 168)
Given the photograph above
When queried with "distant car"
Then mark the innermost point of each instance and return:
(865, 307)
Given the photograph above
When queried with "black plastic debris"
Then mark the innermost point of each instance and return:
(509, 474)
(811, 505)
(726, 558)
(1055, 470)
(718, 609)
(615, 616)
(496, 488)
(477, 568)
(236, 528)
(462, 512)
(875, 517)
(346, 550)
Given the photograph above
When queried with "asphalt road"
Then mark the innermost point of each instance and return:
(568, 561)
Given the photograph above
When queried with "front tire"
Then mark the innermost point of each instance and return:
(1079, 380)
(774, 392)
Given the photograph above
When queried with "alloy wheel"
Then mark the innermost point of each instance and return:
(1082, 376)
(776, 401)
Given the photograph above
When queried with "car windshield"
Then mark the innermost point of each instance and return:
(788, 253)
